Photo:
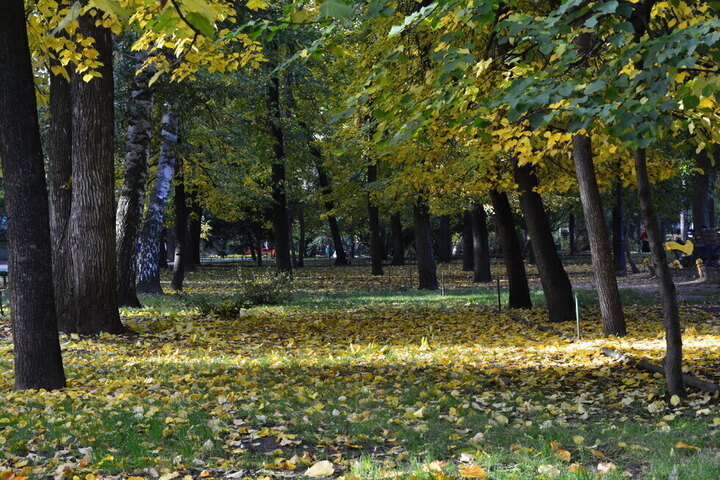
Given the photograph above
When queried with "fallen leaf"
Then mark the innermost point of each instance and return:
(550, 471)
(473, 471)
(323, 468)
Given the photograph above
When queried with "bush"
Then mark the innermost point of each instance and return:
(225, 308)
(265, 287)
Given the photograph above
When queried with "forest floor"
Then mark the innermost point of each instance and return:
(366, 378)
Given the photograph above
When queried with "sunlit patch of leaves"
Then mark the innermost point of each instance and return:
(426, 391)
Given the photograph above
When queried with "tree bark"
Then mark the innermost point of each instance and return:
(444, 241)
(613, 320)
(36, 349)
(618, 225)
(468, 242)
(481, 247)
(92, 219)
(555, 282)
(60, 176)
(427, 271)
(671, 316)
(376, 254)
(278, 181)
(571, 234)
(302, 247)
(148, 280)
(628, 255)
(181, 224)
(326, 190)
(132, 194)
(514, 265)
(398, 257)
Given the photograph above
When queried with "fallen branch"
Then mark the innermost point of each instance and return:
(688, 380)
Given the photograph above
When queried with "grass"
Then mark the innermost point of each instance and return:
(381, 380)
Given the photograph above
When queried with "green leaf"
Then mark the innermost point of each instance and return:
(335, 9)
(595, 86)
(202, 23)
(690, 102)
(201, 7)
(72, 15)
(113, 7)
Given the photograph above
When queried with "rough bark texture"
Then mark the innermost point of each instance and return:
(481, 247)
(281, 227)
(92, 219)
(671, 316)
(514, 264)
(618, 225)
(613, 320)
(60, 176)
(444, 242)
(468, 242)
(148, 270)
(376, 254)
(326, 190)
(398, 248)
(181, 224)
(555, 282)
(36, 349)
(132, 194)
(427, 271)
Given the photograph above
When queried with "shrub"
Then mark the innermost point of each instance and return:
(225, 308)
(265, 287)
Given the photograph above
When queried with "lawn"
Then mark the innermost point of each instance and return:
(378, 379)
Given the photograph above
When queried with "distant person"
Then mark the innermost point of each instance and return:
(645, 243)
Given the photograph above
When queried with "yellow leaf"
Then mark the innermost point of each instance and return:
(322, 468)
(597, 453)
(473, 471)
(605, 468)
(564, 455)
(685, 445)
(675, 400)
(256, 5)
(550, 471)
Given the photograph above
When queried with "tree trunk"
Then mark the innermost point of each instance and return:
(514, 265)
(671, 316)
(36, 349)
(302, 247)
(92, 219)
(181, 223)
(468, 242)
(60, 177)
(326, 190)
(427, 271)
(397, 240)
(291, 239)
(571, 234)
(703, 205)
(281, 228)
(555, 282)
(613, 320)
(481, 248)
(132, 194)
(148, 280)
(444, 240)
(167, 245)
(619, 232)
(376, 256)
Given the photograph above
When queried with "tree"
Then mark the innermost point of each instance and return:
(132, 194)
(92, 217)
(555, 282)
(376, 254)
(181, 226)
(481, 248)
(38, 361)
(148, 278)
(427, 270)
(514, 265)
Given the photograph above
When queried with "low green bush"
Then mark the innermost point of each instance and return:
(265, 287)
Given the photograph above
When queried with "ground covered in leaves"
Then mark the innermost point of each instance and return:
(364, 378)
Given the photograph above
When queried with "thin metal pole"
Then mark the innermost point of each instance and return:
(497, 279)
(577, 315)
(442, 276)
